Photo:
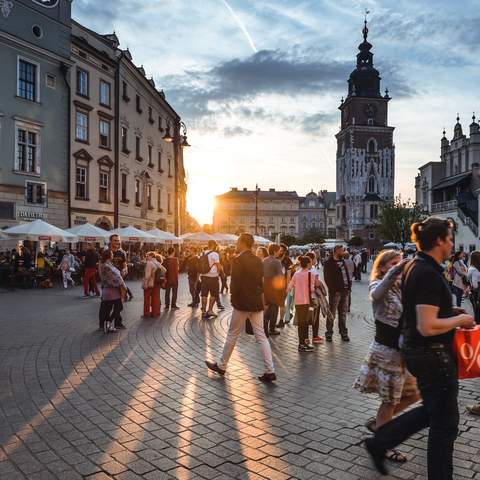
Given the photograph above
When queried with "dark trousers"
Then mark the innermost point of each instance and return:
(110, 310)
(270, 318)
(364, 267)
(194, 290)
(357, 273)
(436, 373)
(173, 289)
(458, 292)
(339, 303)
(224, 284)
(302, 318)
(315, 322)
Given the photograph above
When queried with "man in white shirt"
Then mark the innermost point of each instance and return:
(210, 280)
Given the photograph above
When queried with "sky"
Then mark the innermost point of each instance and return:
(259, 82)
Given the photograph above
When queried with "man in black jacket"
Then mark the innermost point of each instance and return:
(246, 288)
(339, 284)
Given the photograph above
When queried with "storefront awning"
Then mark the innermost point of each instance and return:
(453, 181)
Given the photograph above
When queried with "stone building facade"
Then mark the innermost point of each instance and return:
(276, 212)
(316, 214)
(34, 111)
(365, 151)
(93, 107)
(450, 188)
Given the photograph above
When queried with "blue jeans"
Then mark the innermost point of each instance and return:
(436, 372)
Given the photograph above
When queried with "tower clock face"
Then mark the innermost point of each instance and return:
(370, 110)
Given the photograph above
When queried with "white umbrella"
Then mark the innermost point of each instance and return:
(132, 234)
(89, 233)
(3, 236)
(165, 237)
(39, 230)
(199, 237)
(225, 237)
(392, 245)
(260, 240)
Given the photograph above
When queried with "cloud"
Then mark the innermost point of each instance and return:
(229, 84)
(237, 131)
(318, 122)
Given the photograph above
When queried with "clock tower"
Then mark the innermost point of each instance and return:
(365, 151)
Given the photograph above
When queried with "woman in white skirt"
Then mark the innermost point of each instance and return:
(383, 371)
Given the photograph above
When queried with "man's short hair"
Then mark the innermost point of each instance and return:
(170, 250)
(212, 244)
(247, 239)
(337, 247)
(113, 235)
(273, 248)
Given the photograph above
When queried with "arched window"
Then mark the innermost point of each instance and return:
(371, 185)
(371, 146)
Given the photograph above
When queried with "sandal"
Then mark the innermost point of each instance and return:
(371, 425)
(395, 456)
(474, 409)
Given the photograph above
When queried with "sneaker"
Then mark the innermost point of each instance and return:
(85, 296)
(345, 338)
(317, 340)
(305, 348)
(212, 315)
(267, 377)
(328, 338)
(166, 308)
(175, 308)
(121, 327)
(214, 367)
(474, 409)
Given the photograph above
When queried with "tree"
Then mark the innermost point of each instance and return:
(395, 219)
(355, 241)
(313, 236)
(288, 239)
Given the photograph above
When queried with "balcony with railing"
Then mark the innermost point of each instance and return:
(444, 206)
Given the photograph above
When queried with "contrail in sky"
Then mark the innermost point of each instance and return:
(241, 25)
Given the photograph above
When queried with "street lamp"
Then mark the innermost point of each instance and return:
(169, 138)
(256, 208)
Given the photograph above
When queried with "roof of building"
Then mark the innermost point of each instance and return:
(271, 194)
(452, 181)
(330, 197)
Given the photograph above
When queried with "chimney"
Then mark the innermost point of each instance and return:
(245, 189)
(234, 189)
(271, 190)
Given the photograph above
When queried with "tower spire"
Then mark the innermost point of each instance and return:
(365, 28)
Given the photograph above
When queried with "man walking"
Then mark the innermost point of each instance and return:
(429, 323)
(339, 284)
(210, 280)
(273, 287)
(172, 266)
(193, 277)
(246, 288)
(119, 261)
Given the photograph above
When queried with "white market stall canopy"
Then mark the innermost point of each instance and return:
(225, 237)
(132, 234)
(89, 233)
(196, 237)
(261, 241)
(3, 236)
(39, 230)
(165, 237)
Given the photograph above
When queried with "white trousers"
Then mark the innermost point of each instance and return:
(237, 325)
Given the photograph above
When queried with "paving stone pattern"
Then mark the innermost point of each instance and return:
(140, 404)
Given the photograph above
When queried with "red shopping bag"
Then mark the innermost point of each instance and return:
(467, 349)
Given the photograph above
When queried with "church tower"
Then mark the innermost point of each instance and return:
(365, 151)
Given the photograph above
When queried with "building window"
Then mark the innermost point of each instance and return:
(27, 80)
(124, 188)
(169, 167)
(139, 105)
(160, 127)
(149, 197)
(82, 83)
(104, 126)
(169, 204)
(125, 96)
(150, 116)
(28, 158)
(373, 211)
(371, 185)
(81, 126)
(137, 149)
(138, 203)
(104, 93)
(159, 200)
(124, 135)
(81, 183)
(371, 147)
(160, 162)
(150, 156)
(104, 193)
(35, 193)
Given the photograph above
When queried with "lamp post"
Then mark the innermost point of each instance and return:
(256, 208)
(179, 140)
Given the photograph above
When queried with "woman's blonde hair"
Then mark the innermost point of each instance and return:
(384, 257)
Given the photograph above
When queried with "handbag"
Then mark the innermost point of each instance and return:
(314, 303)
(466, 343)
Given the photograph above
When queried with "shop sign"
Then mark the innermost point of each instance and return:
(80, 220)
(46, 3)
(28, 214)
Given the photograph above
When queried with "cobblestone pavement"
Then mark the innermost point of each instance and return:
(75, 403)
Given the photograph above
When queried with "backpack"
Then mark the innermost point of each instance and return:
(160, 279)
(203, 264)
